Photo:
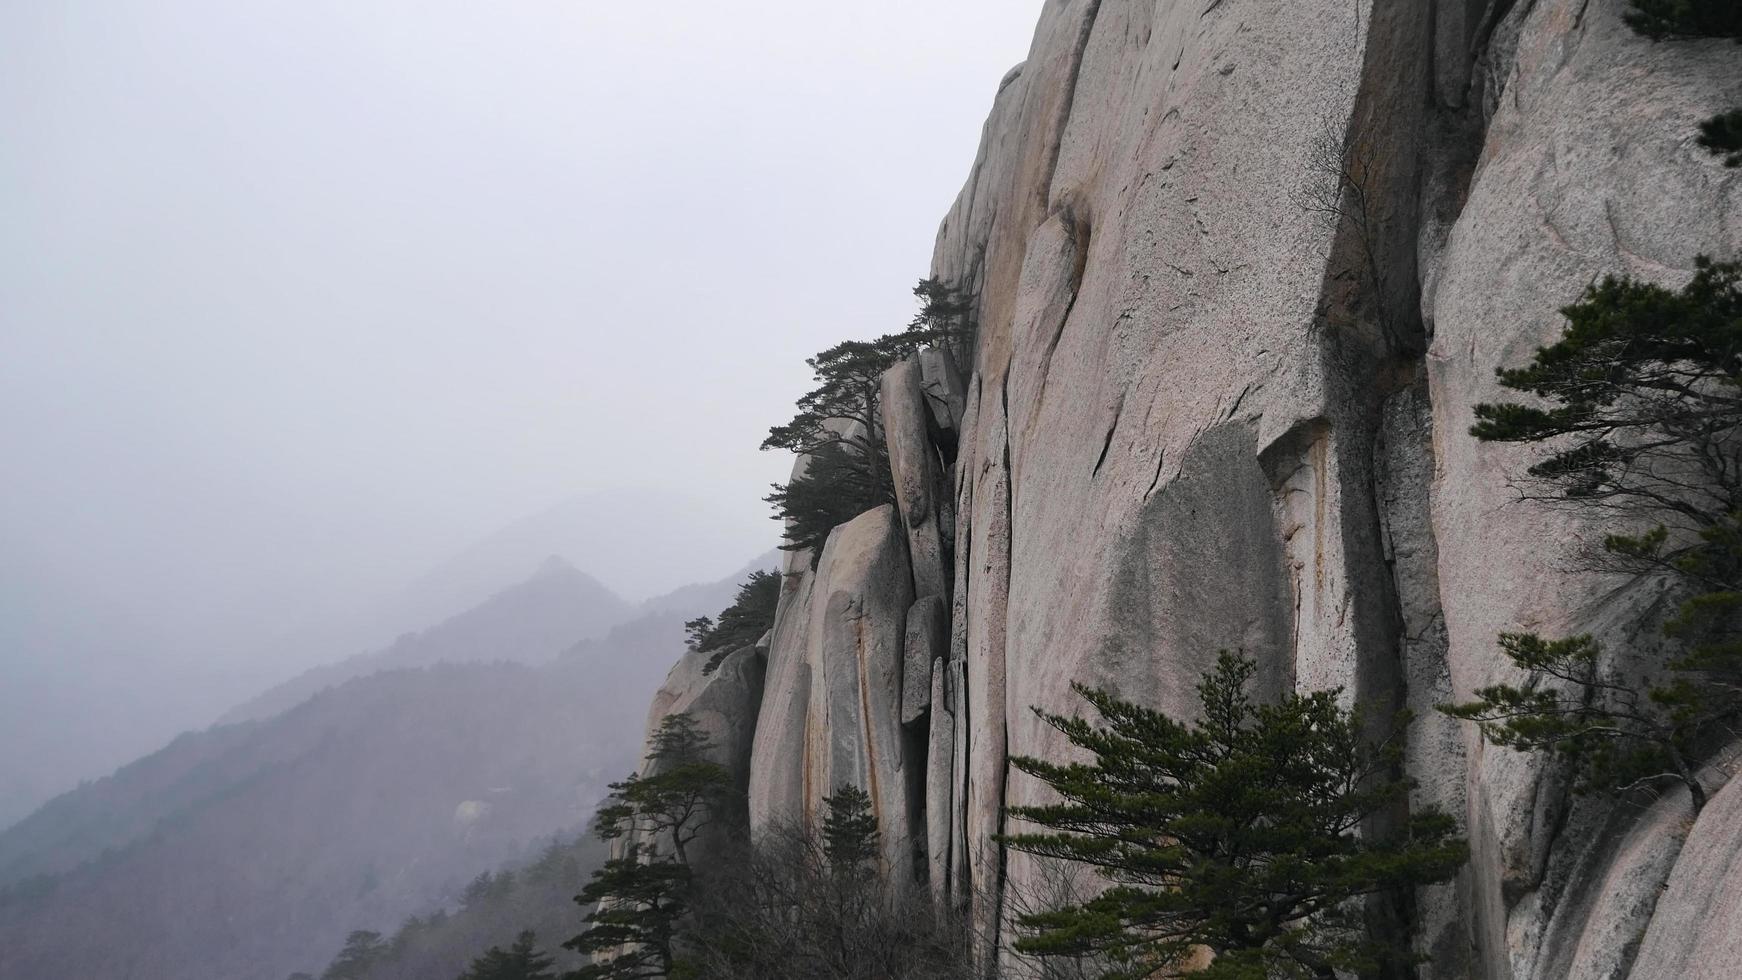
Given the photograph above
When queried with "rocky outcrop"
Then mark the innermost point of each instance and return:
(1243, 270)
(917, 475)
(725, 705)
(836, 664)
(1221, 397)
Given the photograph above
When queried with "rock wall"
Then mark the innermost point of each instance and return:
(1243, 269)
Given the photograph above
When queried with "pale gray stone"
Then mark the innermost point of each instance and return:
(917, 475)
(940, 785)
(946, 391)
(927, 640)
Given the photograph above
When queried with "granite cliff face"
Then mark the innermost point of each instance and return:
(1243, 270)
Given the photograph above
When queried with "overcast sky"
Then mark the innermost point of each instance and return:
(299, 298)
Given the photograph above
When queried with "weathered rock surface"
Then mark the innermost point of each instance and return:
(917, 475)
(1243, 270)
(946, 394)
(1696, 931)
(1201, 420)
(725, 705)
(940, 782)
(833, 713)
(853, 728)
(926, 642)
(1586, 169)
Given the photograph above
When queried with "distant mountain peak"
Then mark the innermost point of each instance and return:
(554, 565)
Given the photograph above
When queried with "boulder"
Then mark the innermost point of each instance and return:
(1696, 931)
(926, 641)
(917, 475)
(946, 394)
(725, 705)
(833, 715)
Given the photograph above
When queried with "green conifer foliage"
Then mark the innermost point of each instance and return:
(849, 831)
(1722, 134)
(638, 899)
(741, 624)
(1659, 19)
(1247, 834)
(839, 424)
(522, 961)
(1639, 413)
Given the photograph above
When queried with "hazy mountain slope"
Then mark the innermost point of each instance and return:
(528, 623)
(494, 909)
(67, 652)
(370, 802)
(250, 850)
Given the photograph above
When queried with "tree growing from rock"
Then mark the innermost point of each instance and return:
(839, 424)
(1662, 19)
(637, 902)
(521, 961)
(1659, 19)
(948, 311)
(1722, 134)
(682, 792)
(833, 489)
(741, 624)
(1250, 834)
(639, 898)
(1639, 414)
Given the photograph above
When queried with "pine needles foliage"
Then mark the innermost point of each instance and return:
(1249, 834)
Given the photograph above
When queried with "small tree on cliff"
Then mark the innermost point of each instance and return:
(741, 624)
(1659, 19)
(682, 792)
(947, 311)
(1722, 134)
(639, 897)
(1246, 834)
(839, 424)
(1643, 422)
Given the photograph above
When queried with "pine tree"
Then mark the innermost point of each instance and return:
(637, 902)
(834, 489)
(849, 831)
(1248, 834)
(741, 624)
(522, 961)
(839, 424)
(1659, 19)
(638, 899)
(362, 950)
(1722, 134)
(947, 311)
(1614, 735)
(681, 793)
(1643, 422)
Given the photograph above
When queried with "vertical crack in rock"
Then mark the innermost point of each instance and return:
(1076, 249)
(1067, 105)
(1106, 444)
(1297, 465)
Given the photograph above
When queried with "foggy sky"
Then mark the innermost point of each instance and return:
(301, 298)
